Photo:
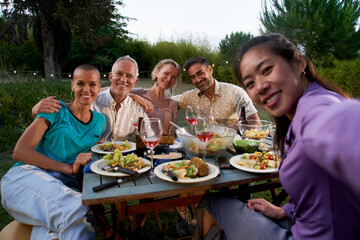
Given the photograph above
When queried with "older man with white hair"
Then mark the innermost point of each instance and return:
(114, 103)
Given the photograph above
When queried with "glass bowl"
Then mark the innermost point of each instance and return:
(222, 139)
(254, 129)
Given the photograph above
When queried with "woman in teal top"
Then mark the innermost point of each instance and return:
(42, 188)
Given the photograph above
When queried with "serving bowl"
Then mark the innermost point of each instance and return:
(222, 139)
(254, 129)
(246, 146)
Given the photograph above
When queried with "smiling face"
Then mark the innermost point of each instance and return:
(123, 78)
(166, 76)
(86, 86)
(201, 76)
(272, 82)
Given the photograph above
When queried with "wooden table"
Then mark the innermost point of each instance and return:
(230, 182)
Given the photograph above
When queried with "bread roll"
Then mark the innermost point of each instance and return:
(167, 140)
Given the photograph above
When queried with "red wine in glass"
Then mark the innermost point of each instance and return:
(192, 121)
(151, 133)
(204, 136)
(151, 142)
(205, 129)
(134, 124)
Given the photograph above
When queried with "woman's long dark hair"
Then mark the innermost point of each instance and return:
(282, 47)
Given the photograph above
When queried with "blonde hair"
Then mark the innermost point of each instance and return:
(161, 64)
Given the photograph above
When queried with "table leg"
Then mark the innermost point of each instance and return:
(274, 192)
(114, 218)
(122, 217)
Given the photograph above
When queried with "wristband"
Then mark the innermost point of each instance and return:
(72, 170)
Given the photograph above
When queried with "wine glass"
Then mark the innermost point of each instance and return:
(204, 129)
(191, 115)
(134, 121)
(151, 133)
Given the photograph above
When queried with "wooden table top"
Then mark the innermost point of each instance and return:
(143, 187)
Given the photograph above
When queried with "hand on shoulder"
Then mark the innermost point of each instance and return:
(46, 105)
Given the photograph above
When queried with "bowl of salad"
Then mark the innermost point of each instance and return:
(222, 139)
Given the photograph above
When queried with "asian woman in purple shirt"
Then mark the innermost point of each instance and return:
(318, 128)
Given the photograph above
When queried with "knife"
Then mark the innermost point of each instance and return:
(119, 169)
(107, 185)
(172, 175)
(125, 170)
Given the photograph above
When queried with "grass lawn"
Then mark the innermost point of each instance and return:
(168, 219)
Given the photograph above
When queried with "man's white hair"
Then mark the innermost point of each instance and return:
(128, 58)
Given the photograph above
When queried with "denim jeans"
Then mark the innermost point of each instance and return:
(33, 196)
(237, 221)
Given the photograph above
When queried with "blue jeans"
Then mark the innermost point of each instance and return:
(237, 221)
(33, 196)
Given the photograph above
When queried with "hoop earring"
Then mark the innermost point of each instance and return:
(303, 71)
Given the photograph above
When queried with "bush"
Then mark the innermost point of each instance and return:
(225, 74)
(345, 74)
(16, 101)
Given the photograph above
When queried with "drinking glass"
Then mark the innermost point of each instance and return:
(151, 133)
(205, 129)
(134, 121)
(191, 115)
(275, 147)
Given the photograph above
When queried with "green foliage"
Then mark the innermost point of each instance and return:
(16, 102)
(323, 29)
(142, 52)
(228, 48)
(102, 57)
(21, 57)
(231, 44)
(225, 74)
(180, 50)
(346, 74)
(55, 22)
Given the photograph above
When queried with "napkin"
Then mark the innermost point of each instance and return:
(87, 168)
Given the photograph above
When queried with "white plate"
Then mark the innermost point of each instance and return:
(96, 168)
(176, 145)
(96, 148)
(233, 161)
(213, 172)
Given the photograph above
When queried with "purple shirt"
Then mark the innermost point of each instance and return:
(321, 170)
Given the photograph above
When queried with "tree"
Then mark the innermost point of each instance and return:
(231, 45)
(322, 29)
(55, 22)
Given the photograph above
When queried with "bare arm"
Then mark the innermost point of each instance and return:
(253, 117)
(146, 104)
(46, 105)
(25, 150)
